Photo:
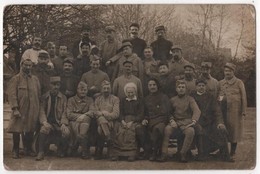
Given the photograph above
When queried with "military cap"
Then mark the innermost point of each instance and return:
(125, 44)
(105, 82)
(110, 28)
(68, 60)
(161, 27)
(189, 65)
(230, 66)
(206, 64)
(55, 79)
(127, 61)
(23, 60)
(178, 82)
(94, 58)
(43, 53)
(200, 80)
(176, 47)
(134, 25)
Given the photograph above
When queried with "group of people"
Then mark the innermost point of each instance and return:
(128, 96)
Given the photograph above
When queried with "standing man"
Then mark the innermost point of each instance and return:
(53, 120)
(189, 78)
(69, 81)
(212, 83)
(107, 106)
(127, 77)
(161, 46)
(43, 71)
(234, 102)
(85, 37)
(58, 61)
(177, 63)
(108, 49)
(51, 49)
(24, 93)
(94, 77)
(138, 44)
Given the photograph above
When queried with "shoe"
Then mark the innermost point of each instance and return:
(30, 153)
(183, 158)
(15, 155)
(162, 158)
(131, 158)
(114, 158)
(85, 155)
(152, 158)
(40, 156)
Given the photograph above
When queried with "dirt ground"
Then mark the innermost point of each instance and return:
(245, 158)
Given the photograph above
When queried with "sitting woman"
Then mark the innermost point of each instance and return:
(130, 128)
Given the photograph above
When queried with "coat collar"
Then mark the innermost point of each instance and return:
(79, 100)
(131, 99)
(231, 81)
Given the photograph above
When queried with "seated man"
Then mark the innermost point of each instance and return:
(53, 119)
(80, 112)
(185, 115)
(107, 111)
(210, 129)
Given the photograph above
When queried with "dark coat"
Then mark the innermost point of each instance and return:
(138, 46)
(161, 49)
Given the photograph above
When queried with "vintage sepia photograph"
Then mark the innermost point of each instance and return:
(129, 87)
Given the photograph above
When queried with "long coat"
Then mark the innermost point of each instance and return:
(24, 93)
(234, 103)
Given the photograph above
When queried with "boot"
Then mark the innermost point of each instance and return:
(99, 154)
(153, 157)
(183, 158)
(85, 150)
(162, 158)
(201, 148)
(15, 154)
(40, 156)
(16, 142)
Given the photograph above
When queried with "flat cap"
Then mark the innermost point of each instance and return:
(125, 44)
(174, 47)
(135, 25)
(189, 65)
(200, 80)
(55, 79)
(43, 53)
(161, 27)
(110, 28)
(206, 64)
(94, 58)
(105, 82)
(68, 60)
(230, 65)
(127, 61)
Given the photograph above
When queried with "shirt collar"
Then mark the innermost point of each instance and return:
(231, 81)
(80, 99)
(130, 99)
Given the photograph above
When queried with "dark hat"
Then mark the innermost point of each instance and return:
(178, 82)
(55, 79)
(43, 53)
(127, 61)
(206, 64)
(68, 60)
(125, 44)
(200, 80)
(85, 28)
(105, 82)
(176, 47)
(94, 58)
(230, 65)
(189, 65)
(134, 25)
(110, 28)
(161, 27)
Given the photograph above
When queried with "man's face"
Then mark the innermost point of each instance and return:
(201, 88)
(63, 51)
(181, 89)
(54, 88)
(177, 54)
(85, 35)
(148, 53)
(95, 64)
(228, 73)
(130, 92)
(110, 34)
(128, 68)
(163, 70)
(127, 51)
(27, 67)
(205, 71)
(51, 50)
(160, 34)
(152, 86)
(134, 32)
(82, 91)
(67, 67)
(106, 90)
(85, 50)
(43, 60)
(188, 72)
(37, 42)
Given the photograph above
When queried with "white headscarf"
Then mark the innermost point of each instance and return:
(131, 85)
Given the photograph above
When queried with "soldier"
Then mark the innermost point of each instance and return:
(233, 102)
(53, 119)
(210, 129)
(69, 81)
(212, 83)
(185, 115)
(161, 46)
(189, 78)
(107, 106)
(138, 44)
(24, 93)
(58, 62)
(80, 112)
(51, 49)
(43, 71)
